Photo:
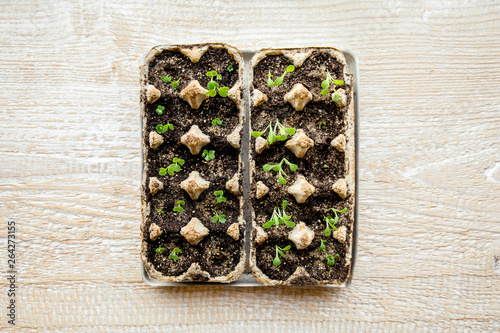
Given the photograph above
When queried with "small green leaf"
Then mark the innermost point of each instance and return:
(175, 84)
(221, 199)
(276, 261)
(292, 166)
(180, 161)
(176, 167)
(163, 171)
(328, 232)
(278, 81)
(214, 219)
(290, 131)
(343, 210)
(324, 91)
(180, 202)
(170, 127)
(270, 82)
(269, 224)
(338, 82)
(217, 193)
(166, 79)
(178, 209)
(276, 167)
(160, 129)
(256, 134)
(281, 180)
(211, 85)
(281, 253)
(222, 218)
(177, 250)
(170, 171)
(284, 204)
(160, 249)
(219, 77)
(281, 137)
(267, 167)
(174, 257)
(270, 75)
(290, 68)
(160, 109)
(212, 73)
(288, 247)
(211, 93)
(336, 97)
(325, 84)
(290, 224)
(230, 68)
(223, 91)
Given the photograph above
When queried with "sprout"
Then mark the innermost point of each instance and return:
(160, 249)
(279, 250)
(213, 86)
(216, 122)
(160, 109)
(174, 255)
(330, 222)
(175, 84)
(326, 85)
(272, 137)
(218, 218)
(178, 207)
(166, 79)
(160, 211)
(230, 68)
(322, 245)
(163, 128)
(220, 196)
(279, 217)
(279, 80)
(209, 155)
(278, 167)
(172, 168)
(331, 259)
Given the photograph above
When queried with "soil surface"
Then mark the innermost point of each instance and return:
(217, 253)
(322, 166)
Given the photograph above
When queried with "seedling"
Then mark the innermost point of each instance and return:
(220, 196)
(272, 137)
(209, 155)
(279, 80)
(172, 168)
(178, 207)
(174, 255)
(326, 86)
(160, 249)
(320, 124)
(322, 246)
(163, 128)
(216, 122)
(219, 218)
(279, 250)
(330, 222)
(213, 86)
(331, 259)
(278, 167)
(168, 79)
(230, 68)
(279, 217)
(175, 84)
(160, 109)
(325, 166)
(160, 211)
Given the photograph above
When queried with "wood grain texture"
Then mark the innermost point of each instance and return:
(429, 228)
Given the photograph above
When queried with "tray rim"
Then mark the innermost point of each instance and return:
(247, 279)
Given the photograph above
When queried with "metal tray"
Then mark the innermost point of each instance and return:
(247, 279)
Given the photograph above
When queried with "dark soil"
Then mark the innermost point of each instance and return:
(217, 253)
(322, 166)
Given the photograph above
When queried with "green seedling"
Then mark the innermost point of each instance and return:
(320, 124)
(220, 196)
(330, 222)
(160, 109)
(272, 137)
(178, 207)
(160, 211)
(331, 259)
(213, 86)
(172, 168)
(325, 166)
(230, 68)
(218, 218)
(278, 167)
(160, 249)
(175, 84)
(163, 128)
(280, 252)
(322, 246)
(174, 255)
(326, 86)
(279, 217)
(208, 155)
(279, 80)
(216, 122)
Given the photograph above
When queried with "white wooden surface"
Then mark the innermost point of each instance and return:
(429, 230)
